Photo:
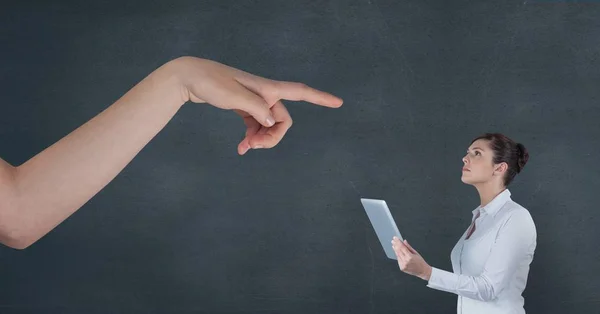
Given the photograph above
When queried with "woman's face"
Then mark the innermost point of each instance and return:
(478, 165)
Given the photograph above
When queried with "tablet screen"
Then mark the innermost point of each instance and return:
(383, 224)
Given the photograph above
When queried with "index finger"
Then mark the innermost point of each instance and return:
(302, 92)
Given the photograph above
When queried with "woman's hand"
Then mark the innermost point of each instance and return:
(257, 100)
(410, 261)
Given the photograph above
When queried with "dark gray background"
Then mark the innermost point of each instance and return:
(189, 226)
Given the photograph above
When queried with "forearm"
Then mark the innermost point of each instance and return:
(60, 179)
(473, 287)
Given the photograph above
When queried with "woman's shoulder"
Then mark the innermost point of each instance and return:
(517, 214)
(518, 209)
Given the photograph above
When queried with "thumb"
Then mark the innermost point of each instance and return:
(254, 105)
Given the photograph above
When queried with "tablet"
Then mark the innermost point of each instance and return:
(383, 224)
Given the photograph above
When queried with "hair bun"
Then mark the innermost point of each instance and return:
(523, 156)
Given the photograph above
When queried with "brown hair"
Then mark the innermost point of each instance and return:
(514, 154)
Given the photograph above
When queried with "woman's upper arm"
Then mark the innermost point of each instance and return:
(514, 245)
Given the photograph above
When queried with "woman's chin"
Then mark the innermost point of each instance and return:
(465, 180)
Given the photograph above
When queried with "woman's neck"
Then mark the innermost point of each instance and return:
(488, 191)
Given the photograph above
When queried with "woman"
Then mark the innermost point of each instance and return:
(38, 195)
(491, 260)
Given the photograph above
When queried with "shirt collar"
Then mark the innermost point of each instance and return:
(492, 207)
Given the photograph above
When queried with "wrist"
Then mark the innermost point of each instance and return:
(185, 72)
(174, 75)
(426, 275)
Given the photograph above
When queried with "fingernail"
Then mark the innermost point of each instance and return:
(270, 121)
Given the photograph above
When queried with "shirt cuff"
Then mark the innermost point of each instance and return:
(442, 280)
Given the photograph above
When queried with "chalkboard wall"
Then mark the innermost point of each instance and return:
(192, 227)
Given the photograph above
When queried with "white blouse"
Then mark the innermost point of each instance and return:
(491, 267)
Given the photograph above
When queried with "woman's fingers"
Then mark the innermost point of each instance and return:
(256, 98)
(302, 92)
(252, 127)
(269, 137)
(401, 250)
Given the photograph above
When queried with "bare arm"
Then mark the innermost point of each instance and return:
(41, 193)
(49, 187)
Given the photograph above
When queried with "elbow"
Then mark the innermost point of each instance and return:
(488, 296)
(15, 231)
(16, 239)
(489, 292)
(19, 244)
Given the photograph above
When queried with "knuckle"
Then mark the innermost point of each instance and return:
(263, 105)
(301, 86)
(264, 86)
(271, 88)
(275, 85)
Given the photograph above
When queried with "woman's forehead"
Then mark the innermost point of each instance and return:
(480, 144)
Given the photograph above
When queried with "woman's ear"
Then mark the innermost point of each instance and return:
(501, 168)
